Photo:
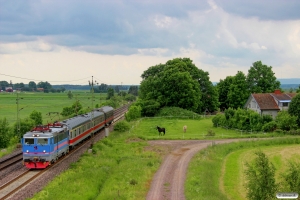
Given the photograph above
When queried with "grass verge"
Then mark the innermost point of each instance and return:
(206, 168)
(118, 168)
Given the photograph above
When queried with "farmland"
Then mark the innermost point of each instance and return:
(45, 103)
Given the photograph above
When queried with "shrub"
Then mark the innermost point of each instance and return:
(210, 133)
(177, 112)
(133, 113)
(122, 126)
(269, 127)
(260, 177)
(217, 120)
(285, 121)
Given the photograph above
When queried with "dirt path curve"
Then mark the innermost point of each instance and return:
(168, 182)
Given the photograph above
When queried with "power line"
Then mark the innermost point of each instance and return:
(41, 80)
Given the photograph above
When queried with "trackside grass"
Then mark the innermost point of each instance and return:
(218, 171)
(118, 168)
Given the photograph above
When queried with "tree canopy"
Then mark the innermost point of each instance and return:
(238, 91)
(181, 84)
(294, 107)
(261, 78)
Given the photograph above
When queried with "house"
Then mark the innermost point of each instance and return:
(8, 89)
(40, 89)
(269, 103)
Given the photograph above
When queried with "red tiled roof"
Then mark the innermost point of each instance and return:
(265, 101)
(292, 95)
(282, 96)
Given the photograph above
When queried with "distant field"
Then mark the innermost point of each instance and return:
(42, 102)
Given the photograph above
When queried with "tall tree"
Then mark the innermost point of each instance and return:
(133, 89)
(32, 85)
(103, 88)
(47, 86)
(110, 93)
(117, 89)
(36, 117)
(19, 85)
(223, 89)
(3, 84)
(25, 125)
(261, 78)
(178, 83)
(294, 108)
(238, 91)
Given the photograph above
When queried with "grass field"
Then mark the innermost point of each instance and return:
(218, 171)
(197, 129)
(234, 167)
(42, 102)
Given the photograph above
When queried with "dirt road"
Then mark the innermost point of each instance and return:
(168, 182)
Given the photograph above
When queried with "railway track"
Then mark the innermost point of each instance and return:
(11, 160)
(10, 188)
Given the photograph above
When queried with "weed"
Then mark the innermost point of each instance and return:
(133, 182)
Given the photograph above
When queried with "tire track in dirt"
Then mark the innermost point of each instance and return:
(168, 182)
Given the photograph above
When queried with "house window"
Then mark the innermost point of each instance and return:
(285, 104)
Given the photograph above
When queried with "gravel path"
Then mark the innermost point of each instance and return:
(168, 182)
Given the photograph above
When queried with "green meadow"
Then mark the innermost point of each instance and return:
(196, 129)
(218, 171)
(42, 102)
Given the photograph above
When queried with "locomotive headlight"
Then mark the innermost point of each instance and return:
(44, 151)
(27, 151)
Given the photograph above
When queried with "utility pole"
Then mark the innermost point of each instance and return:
(18, 114)
(92, 90)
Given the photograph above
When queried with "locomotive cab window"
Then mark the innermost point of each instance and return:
(29, 140)
(42, 141)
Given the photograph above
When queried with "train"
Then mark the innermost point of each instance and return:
(45, 144)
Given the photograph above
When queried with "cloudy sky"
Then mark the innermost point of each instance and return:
(69, 41)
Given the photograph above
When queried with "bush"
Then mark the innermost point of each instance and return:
(210, 133)
(122, 126)
(177, 112)
(133, 113)
(269, 127)
(260, 177)
(285, 121)
(217, 120)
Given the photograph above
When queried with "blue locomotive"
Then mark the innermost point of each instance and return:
(44, 144)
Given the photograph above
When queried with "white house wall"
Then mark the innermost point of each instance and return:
(273, 113)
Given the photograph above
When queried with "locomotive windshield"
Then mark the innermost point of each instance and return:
(29, 140)
(42, 141)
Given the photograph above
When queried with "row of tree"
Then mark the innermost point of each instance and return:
(180, 83)
(234, 90)
(31, 86)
